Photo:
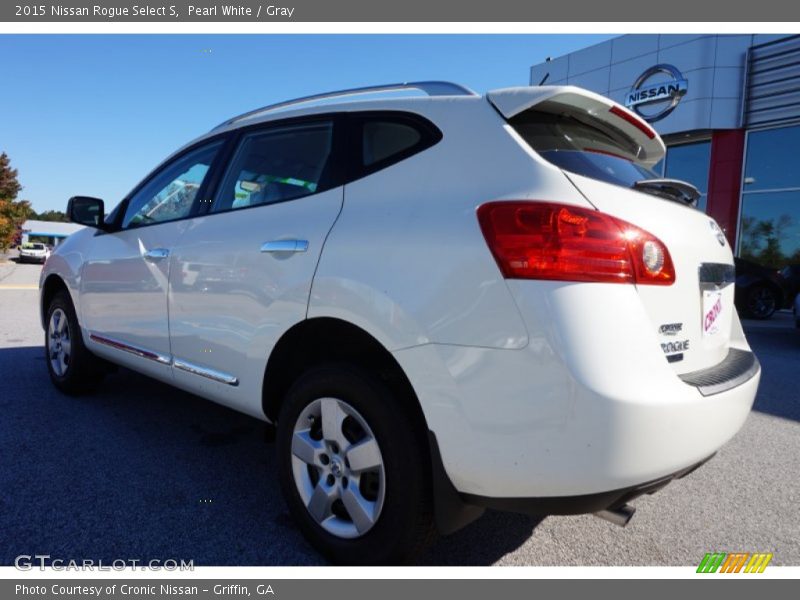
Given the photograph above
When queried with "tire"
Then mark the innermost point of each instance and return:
(761, 302)
(376, 515)
(73, 369)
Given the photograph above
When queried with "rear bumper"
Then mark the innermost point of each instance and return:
(590, 407)
(576, 505)
(738, 367)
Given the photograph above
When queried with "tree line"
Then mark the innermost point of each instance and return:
(13, 212)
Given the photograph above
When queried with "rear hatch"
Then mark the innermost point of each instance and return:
(34, 249)
(604, 150)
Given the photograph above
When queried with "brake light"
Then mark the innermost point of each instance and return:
(542, 240)
(636, 122)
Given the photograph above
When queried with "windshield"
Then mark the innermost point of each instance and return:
(591, 149)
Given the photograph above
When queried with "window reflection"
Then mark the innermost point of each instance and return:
(772, 159)
(690, 163)
(769, 232)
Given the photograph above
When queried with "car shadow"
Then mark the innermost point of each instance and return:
(139, 470)
(483, 542)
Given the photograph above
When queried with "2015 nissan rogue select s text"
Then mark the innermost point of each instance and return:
(443, 301)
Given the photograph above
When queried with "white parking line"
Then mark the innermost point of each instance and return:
(18, 286)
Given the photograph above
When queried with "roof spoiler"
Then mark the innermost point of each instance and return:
(513, 101)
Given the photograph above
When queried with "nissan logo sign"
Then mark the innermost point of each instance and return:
(660, 87)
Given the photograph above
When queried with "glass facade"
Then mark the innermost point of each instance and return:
(690, 163)
(769, 227)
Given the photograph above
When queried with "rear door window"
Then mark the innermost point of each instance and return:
(281, 163)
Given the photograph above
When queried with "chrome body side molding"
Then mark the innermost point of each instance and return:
(183, 365)
(125, 347)
(212, 374)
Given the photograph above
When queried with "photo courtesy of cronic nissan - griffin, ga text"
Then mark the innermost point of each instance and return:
(443, 301)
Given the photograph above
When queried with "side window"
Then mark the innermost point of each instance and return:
(385, 138)
(381, 140)
(281, 163)
(170, 193)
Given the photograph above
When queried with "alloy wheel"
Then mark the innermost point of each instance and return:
(59, 342)
(338, 468)
(762, 302)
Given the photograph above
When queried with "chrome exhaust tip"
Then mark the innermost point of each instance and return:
(618, 516)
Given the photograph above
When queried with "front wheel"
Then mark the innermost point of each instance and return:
(73, 369)
(352, 468)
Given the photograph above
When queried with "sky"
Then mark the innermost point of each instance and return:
(93, 114)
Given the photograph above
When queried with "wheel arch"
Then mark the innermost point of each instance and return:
(324, 339)
(52, 285)
(327, 339)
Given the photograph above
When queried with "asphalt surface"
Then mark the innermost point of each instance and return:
(142, 471)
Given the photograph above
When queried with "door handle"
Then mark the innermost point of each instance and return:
(156, 254)
(285, 246)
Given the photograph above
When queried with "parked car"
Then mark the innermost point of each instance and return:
(759, 290)
(796, 310)
(34, 252)
(790, 282)
(443, 303)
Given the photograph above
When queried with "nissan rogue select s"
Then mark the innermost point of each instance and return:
(444, 303)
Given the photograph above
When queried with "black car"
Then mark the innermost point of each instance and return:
(790, 278)
(760, 291)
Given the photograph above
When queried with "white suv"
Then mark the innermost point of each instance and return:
(444, 303)
(34, 252)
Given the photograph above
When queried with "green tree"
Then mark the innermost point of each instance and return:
(13, 213)
(52, 215)
(760, 240)
(9, 185)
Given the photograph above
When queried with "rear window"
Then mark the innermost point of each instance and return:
(575, 144)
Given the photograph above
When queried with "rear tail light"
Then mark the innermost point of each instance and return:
(538, 240)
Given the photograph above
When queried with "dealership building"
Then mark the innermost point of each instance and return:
(48, 232)
(728, 108)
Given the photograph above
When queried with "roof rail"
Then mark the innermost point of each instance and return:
(432, 88)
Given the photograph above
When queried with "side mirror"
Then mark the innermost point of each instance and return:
(87, 211)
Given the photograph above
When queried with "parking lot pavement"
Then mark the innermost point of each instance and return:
(142, 471)
(26, 277)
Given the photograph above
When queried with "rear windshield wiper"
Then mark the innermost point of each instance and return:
(671, 189)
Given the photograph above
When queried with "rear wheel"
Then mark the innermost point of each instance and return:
(761, 302)
(352, 469)
(73, 369)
